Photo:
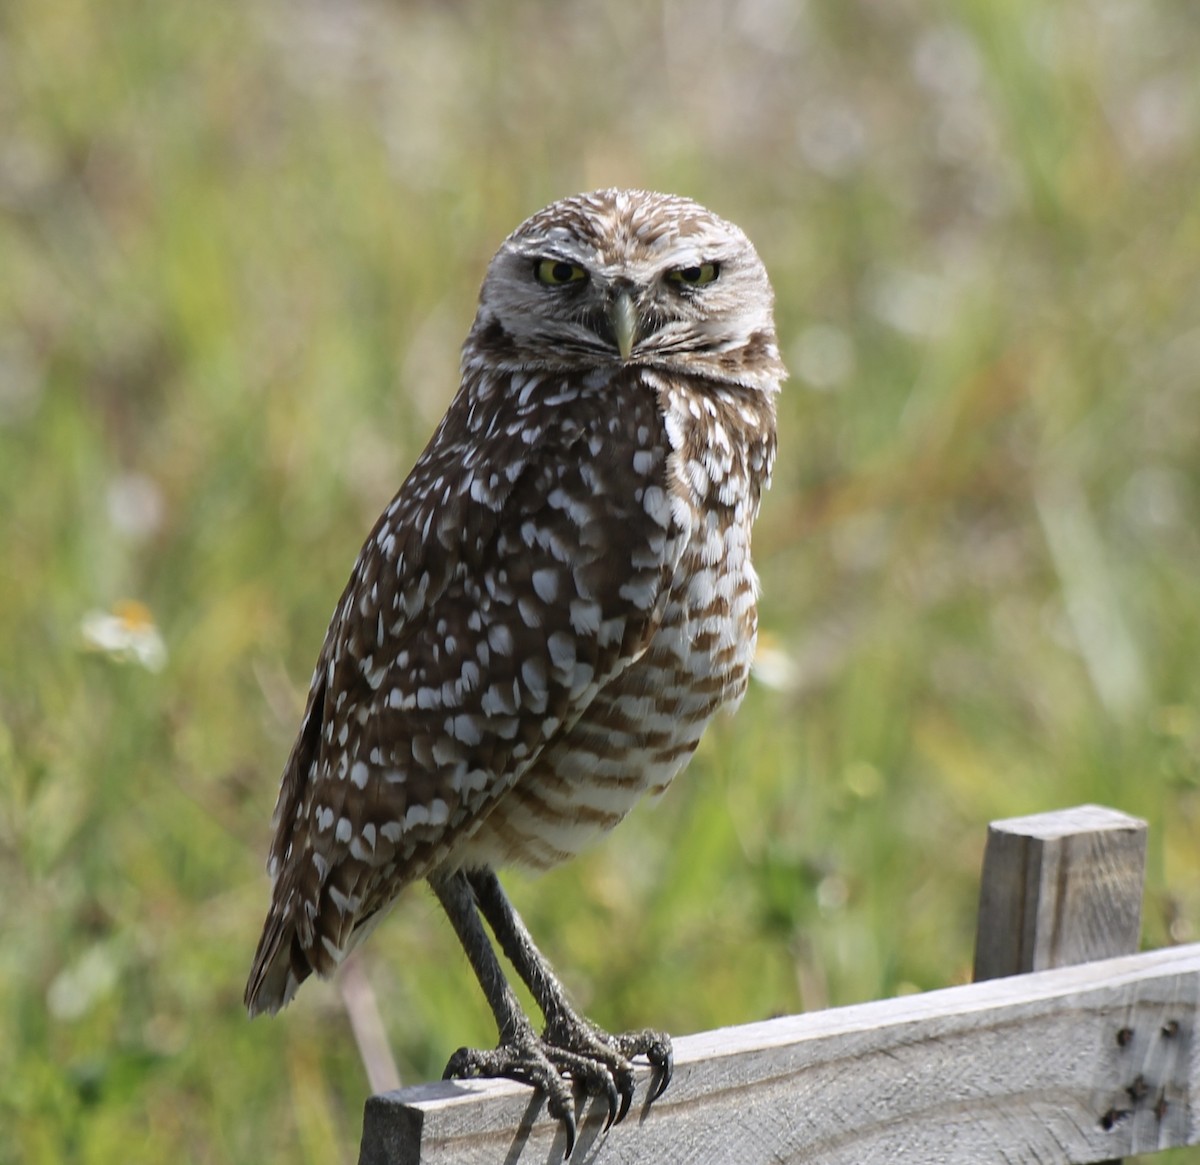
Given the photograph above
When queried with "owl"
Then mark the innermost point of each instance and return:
(546, 616)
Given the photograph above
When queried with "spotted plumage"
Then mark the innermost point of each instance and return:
(559, 597)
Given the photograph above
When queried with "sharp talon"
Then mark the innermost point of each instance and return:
(560, 1105)
(626, 1101)
(459, 1065)
(663, 1058)
(568, 1123)
(615, 1110)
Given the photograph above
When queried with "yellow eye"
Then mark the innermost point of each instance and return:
(556, 272)
(695, 276)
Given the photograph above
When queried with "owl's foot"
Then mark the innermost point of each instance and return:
(575, 1051)
(538, 1063)
(572, 1033)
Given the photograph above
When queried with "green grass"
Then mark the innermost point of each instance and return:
(239, 248)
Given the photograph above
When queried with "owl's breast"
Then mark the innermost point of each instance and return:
(640, 728)
(719, 463)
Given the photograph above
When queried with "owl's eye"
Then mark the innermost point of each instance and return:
(695, 276)
(556, 272)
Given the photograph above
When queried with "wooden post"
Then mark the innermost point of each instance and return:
(1060, 889)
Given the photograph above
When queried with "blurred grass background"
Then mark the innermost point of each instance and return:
(239, 250)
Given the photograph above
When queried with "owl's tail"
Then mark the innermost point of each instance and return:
(310, 928)
(281, 964)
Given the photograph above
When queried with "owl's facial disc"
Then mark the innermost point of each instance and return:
(619, 278)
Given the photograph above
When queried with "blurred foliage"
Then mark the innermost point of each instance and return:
(239, 245)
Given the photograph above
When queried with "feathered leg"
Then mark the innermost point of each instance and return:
(566, 1029)
(571, 1046)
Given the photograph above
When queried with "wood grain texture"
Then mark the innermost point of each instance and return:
(1079, 1064)
(1059, 889)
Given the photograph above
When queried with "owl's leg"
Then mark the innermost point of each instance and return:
(521, 1054)
(565, 1027)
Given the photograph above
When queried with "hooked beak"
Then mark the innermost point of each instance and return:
(622, 317)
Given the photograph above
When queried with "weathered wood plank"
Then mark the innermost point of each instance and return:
(1073, 1065)
(1058, 889)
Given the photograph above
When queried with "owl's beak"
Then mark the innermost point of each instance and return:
(622, 316)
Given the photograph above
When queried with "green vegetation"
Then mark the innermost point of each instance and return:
(239, 246)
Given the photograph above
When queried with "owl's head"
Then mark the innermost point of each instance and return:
(628, 277)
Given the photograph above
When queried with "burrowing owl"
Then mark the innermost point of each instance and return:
(545, 617)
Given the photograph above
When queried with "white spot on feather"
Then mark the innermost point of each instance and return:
(545, 584)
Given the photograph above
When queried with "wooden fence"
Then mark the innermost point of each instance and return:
(1067, 1048)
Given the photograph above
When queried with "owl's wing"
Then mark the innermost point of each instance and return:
(518, 570)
